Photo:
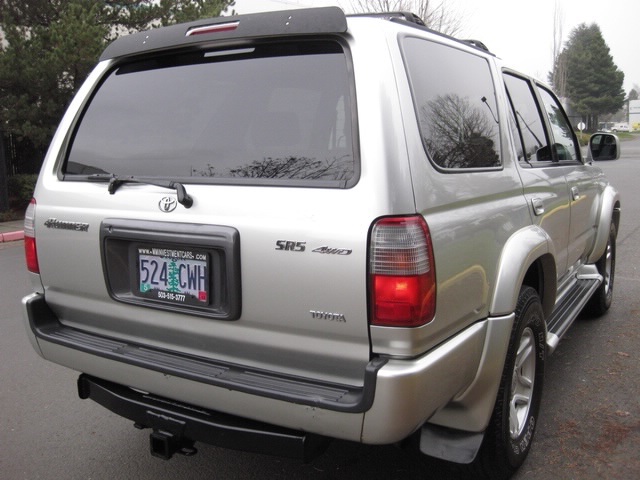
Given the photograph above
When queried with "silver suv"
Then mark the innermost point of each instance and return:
(270, 230)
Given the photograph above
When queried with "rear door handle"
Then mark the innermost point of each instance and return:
(538, 206)
(575, 194)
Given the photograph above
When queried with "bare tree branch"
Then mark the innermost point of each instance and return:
(558, 76)
(435, 15)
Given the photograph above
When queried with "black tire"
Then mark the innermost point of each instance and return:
(510, 432)
(601, 299)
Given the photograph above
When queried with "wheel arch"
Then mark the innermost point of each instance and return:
(528, 258)
(609, 213)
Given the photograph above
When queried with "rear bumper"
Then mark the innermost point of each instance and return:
(46, 327)
(397, 396)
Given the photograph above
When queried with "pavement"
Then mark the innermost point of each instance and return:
(11, 231)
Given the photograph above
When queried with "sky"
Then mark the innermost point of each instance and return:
(521, 32)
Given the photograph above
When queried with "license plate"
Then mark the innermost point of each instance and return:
(173, 275)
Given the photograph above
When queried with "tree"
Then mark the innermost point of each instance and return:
(593, 82)
(461, 135)
(435, 15)
(49, 48)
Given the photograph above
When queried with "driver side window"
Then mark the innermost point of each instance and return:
(526, 121)
(534, 110)
(564, 144)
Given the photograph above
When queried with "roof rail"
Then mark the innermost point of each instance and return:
(477, 44)
(417, 21)
(406, 16)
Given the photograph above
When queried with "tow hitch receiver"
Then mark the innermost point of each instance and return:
(164, 445)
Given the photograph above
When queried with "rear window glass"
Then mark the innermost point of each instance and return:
(272, 113)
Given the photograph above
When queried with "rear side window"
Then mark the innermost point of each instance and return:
(455, 102)
(272, 113)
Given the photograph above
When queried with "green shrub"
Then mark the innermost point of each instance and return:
(10, 215)
(20, 189)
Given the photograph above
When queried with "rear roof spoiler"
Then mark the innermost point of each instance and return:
(307, 21)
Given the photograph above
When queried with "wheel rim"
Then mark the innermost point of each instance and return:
(522, 383)
(608, 263)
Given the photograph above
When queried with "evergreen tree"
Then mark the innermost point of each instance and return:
(49, 47)
(592, 82)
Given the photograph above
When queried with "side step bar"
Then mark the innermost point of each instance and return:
(570, 304)
(177, 426)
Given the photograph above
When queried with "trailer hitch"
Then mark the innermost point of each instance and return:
(164, 445)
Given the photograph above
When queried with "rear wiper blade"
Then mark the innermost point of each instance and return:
(115, 181)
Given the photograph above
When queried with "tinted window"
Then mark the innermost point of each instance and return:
(455, 102)
(530, 133)
(564, 142)
(277, 112)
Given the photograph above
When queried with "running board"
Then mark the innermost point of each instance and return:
(570, 304)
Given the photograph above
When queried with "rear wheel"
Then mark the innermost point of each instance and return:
(601, 299)
(515, 416)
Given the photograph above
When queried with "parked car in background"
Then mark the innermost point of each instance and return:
(620, 127)
(267, 231)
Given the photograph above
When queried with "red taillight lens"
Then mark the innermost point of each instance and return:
(403, 282)
(30, 251)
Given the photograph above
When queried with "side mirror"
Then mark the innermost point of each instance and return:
(603, 146)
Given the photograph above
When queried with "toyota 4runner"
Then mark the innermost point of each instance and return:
(266, 231)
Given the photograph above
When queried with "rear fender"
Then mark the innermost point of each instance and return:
(471, 410)
(525, 247)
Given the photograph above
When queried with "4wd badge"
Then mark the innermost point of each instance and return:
(167, 204)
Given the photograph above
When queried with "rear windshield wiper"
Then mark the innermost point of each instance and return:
(115, 181)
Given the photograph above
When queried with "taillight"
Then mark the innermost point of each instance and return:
(403, 280)
(30, 251)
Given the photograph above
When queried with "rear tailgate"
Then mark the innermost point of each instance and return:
(261, 138)
(294, 294)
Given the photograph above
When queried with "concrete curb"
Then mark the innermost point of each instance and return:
(11, 236)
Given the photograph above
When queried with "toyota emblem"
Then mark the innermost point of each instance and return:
(167, 204)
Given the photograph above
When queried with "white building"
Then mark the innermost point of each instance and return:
(634, 115)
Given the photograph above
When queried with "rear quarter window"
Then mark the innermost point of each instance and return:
(271, 113)
(455, 103)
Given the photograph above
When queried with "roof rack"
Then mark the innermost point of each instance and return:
(417, 21)
(406, 16)
(477, 44)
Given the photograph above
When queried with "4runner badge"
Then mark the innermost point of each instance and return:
(64, 225)
(167, 204)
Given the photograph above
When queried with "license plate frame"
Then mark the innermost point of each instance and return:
(121, 243)
(173, 274)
